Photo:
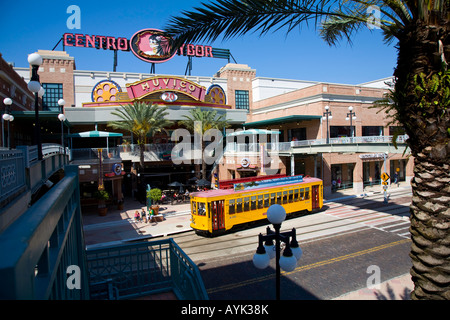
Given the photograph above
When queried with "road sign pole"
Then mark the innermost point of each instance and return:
(385, 179)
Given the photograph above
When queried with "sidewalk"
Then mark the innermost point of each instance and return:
(398, 288)
(370, 190)
(118, 226)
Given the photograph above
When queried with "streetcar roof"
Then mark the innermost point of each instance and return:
(226, 192)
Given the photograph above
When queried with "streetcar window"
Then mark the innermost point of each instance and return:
(278, 197)
(307, 194)
(260, 201)
(247, 204)
(239, 205)
(272, 198)
(291, 196)
(201, 209)
(285, 197)
(194, 207)
(253, 203)
(296, 195)
(302, 194)
(231, 208)
(266, 201)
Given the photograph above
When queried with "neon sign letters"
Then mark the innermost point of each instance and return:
(98, 42)
(149, 45)
(140, 89)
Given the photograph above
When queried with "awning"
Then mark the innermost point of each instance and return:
(281, 120)
(253, 131)
(95, 134)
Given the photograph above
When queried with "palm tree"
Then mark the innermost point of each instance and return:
(421, 90)
(199, 121)
(142, 119)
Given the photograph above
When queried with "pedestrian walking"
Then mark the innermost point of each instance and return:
(396, 179)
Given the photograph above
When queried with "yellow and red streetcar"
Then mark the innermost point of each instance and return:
(216, 211)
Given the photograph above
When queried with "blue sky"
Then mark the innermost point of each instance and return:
(27, 26)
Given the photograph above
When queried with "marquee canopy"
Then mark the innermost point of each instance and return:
(95, 134)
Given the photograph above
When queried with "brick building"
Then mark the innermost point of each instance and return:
(344, 155)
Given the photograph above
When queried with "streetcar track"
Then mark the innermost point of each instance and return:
(230, 243)
(197, 246)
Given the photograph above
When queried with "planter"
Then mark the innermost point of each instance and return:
(158, 218)
(155, 210)
(102, 211)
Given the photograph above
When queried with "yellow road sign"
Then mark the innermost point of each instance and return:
(384, 176)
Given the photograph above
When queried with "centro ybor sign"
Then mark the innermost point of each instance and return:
(149, 45)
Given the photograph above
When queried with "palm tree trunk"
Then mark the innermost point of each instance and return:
(430, 145)
(203, 161)
(430, 229)
(141, 156)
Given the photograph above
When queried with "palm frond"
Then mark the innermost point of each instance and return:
(208, 119)
(337, 19)
(140, 118)
(231, 18)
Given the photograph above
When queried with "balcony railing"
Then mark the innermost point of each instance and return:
(287, 146)
(347, 140)
(93, 153)
(139, 269)
(40, 246)
(13, 179)
(20, 169)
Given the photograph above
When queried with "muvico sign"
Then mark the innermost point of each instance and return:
(149, 45)
(143, 88)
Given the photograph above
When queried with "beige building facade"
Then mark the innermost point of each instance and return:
(330, 131)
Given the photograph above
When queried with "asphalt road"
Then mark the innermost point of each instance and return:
(342, 245)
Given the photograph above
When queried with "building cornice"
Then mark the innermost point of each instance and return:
(323, 97)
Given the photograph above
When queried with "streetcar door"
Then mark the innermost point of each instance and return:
(217, 216)
(315, 197)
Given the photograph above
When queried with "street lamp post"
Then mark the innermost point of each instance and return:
(327, 116)
(351, 116)
(62, 118)
(6, 117)
(35, 60)
(266, 251)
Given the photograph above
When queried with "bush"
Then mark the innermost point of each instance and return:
(101, 195)
(154, 194)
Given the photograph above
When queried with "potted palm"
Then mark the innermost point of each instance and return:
(155, 195)
(102, 196)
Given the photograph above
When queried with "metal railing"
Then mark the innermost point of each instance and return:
(139, 269)
(153, 147)
(40, 246)
(12, 179)
(347, 140)
(287, 146)
(20, 169)
(93, 153)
